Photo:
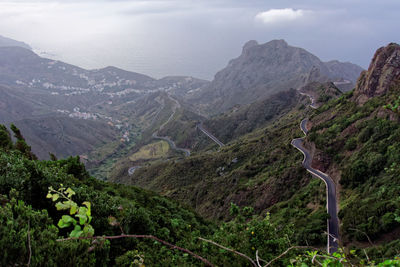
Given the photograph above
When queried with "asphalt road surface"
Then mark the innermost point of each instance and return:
(331, 206)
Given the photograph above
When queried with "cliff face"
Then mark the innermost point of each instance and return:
(383, 71)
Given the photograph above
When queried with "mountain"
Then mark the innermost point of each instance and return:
(182, 128)
(320, 92)
(264, 69)
(383, 73)
(45, 205)
(45, 88)
(64, 136)
(245, 119)
(35, 90)
(137, 130)
(23, 67)
(355, 142)
(4, 42)
(343, 70)
(181, 85)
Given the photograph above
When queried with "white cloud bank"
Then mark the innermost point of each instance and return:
(274, 16)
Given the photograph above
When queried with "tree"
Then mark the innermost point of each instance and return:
(21, 144)
(5, 138)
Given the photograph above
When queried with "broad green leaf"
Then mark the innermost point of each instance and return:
(55, 197)
(66, 221)
(82, 211)
(88, 230)
(49, 195)
(62, 205)
(82, 218)
(76, 232)
(62, 224)
(89, 210)
(69, 192)
(74, 208)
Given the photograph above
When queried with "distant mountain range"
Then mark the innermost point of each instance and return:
(133, 129)
(34, 88)
(264, 69)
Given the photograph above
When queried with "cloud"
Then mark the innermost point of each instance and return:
(274, 16)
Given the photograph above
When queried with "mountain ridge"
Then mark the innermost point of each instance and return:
(264, 69)
(4, 42)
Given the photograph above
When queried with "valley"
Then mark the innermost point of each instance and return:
(187, 160)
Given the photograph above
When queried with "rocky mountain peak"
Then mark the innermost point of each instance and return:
(382, 72)
(250, 44)
(252, 47)
(277, 43)
(265, 69)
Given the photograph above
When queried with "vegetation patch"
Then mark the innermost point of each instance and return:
(368, 139)
(151, 151)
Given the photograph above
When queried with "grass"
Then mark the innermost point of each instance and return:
(151, 151)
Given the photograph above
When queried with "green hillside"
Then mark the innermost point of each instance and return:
(151, 189)
(355, 141)
(130, 226)
(362, 145)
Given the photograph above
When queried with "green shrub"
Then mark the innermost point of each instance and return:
(355, 174)
(351, 144)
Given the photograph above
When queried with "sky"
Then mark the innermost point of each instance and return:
(195, 37)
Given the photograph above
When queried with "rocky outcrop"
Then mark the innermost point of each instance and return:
(383, 71)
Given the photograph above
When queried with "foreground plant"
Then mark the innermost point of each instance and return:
(82, 214)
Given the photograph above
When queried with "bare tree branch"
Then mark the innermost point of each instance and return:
(314, 259)
(284, 253)
(258, 259)
(364, 233)
(172, 246)
(366, 255)
(231, 250)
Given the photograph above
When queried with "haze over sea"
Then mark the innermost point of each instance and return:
(147, 55)
(195, 38)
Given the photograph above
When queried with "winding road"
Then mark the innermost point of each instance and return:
(166, 138)
(313, 104)
(331, 201)
(172, 144)
(212, 137)
(155, 135)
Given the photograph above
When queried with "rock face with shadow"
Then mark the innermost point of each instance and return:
(382, 73)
